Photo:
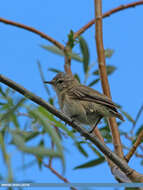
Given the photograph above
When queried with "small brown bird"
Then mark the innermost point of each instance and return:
(81, 103)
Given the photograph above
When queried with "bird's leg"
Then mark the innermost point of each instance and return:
(96, 123)
(73, 117)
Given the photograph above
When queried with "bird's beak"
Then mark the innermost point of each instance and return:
(49, 82)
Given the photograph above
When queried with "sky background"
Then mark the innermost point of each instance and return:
(20, 50)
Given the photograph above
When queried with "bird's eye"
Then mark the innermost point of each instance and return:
(60, 81)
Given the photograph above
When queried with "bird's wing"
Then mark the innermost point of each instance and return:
(84, 94)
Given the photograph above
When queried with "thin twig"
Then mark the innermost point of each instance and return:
(136, 144)
(49, 166)
(107, 14)
(67, 65)
(132, 174)
(58, 175)
(103, 74)
(31, 29)
(136, 153)
(137, 118)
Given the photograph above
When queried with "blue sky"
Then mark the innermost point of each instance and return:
(21, 49)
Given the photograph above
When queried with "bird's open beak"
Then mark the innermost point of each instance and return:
(49, 82)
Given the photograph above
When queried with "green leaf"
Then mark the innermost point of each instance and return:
(139, 130)
(26, 135)
(39, 151)
(91, 163)
(108, 52)
(95, 150)
(3, 149)
(94, 82)
(55, 122)
(39, 115)
(54, 70)
(141, 162)
(127, 116)
(42, 77)
(85, 53)
(51, 101)
(1, 177)
(13, 109)
(109, 68)
(81, 149)
(71, 41)
(41, 143)
(2, 92)
(77, 77)
(14, 119)
(56, 50)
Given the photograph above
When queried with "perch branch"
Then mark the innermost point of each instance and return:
(132, 174)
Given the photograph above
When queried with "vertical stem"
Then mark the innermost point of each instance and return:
(67, 65)
(103, 73)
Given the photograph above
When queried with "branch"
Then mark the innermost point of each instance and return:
(133, 149)
(137, 118)
(67, 65)
(107, 14)
(55, 172)
(132, 174)
(103, 74)
(31, 29)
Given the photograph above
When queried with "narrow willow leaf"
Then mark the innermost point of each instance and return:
(56, 50)
(13, 109)
(38, 114)
(35, 150)
(54, 70)
(129, 117)
(77, 77)
(71, 41)
(94, 82)
(139, 130)
(1, 177)
(91, 163)
(109, 68)
(2, 103)
(51, 101)
(2, 144)
(14, 119)
(85, 53)
(26, 135)
(108, 52)
(39, 161)
(2, 92)
(42, 77)
(94, 150)
(81, 149)
(57, 123)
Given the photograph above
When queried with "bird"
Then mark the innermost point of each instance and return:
(81, 103)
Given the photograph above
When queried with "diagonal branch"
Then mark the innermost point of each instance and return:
(133, 149)
(107, 14)
(31, 29)
(103, 74)
(132, 174)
